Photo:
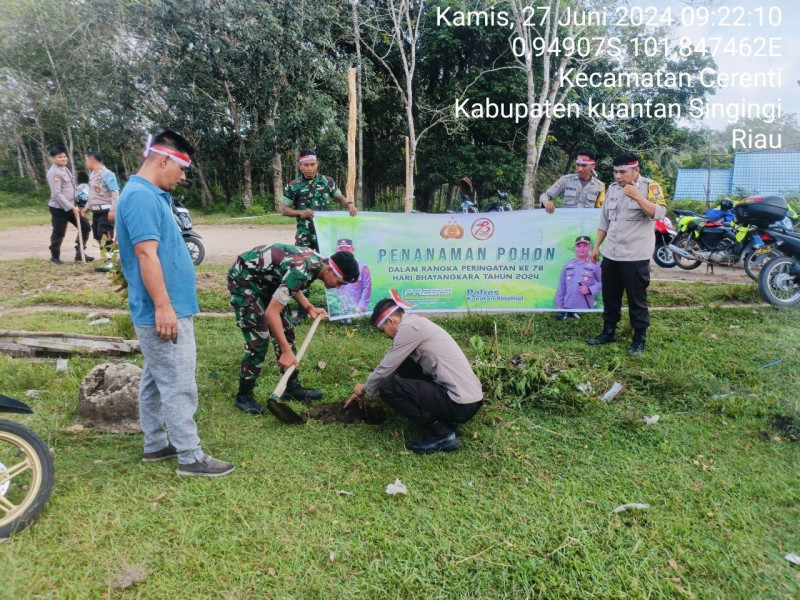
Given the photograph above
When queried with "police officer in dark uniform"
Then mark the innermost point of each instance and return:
(62, 207)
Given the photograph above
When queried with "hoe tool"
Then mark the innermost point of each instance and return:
(282, 411)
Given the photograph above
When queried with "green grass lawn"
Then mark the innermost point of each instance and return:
(521, 511)
(18, 210)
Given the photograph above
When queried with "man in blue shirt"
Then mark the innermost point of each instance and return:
(162, 300)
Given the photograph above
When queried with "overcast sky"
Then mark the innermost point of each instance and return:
(789, 92)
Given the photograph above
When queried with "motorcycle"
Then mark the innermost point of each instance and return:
(27, 473)
(779, 279)
(665, 234)
(702, 241)
(501, 204)
(190, 237)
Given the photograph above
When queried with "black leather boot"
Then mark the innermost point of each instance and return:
(637, 345)
(244, 398)
(608, 335)
(86, 257)
(296, 391)
(442, 439)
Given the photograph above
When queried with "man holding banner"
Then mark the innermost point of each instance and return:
(580, 189)
(424, 376)
(626, 227)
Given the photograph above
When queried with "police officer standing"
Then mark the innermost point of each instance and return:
(309, 192)
(580, 189)
(626, 227)
(62, 206)
(103, 197)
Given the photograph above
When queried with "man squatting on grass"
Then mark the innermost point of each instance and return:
(626, 227)
(162, 299)
(261, 282)
(424, 376)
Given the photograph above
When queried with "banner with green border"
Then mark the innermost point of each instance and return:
(502, 262)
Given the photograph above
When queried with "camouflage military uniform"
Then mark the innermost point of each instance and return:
(258, 276)
(315, 194)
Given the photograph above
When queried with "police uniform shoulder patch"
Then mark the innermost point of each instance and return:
(655, 193)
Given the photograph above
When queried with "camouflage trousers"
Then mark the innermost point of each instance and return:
(305, 238)
(250, 306)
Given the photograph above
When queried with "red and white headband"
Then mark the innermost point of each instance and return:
(179, 157)
(584, 160)
(398, 303)
(632, 165)
(307, 158)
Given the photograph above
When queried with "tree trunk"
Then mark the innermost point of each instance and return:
(359, 195)
(277, 181)
(247, 196)
(206, 198)
(42, 144)
(25, 160)
(70, 144)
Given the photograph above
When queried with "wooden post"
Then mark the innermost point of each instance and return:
(408, 176)
(351, 137)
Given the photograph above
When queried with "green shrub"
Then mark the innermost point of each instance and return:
(16, 185)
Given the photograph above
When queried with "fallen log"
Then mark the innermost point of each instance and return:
(53, 343)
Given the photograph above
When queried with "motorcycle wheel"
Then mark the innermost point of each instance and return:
(779, 281)
(27, 475)
(196, 250)
(688, 244)
(754, 261)
(663, 256)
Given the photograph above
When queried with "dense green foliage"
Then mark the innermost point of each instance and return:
(249, 83)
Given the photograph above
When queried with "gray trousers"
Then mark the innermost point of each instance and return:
(168, 391)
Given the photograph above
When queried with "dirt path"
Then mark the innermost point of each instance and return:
(224, 242)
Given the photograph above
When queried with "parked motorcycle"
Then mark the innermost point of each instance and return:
(665, 234)
(702, 241)
(27, 473)
(190, 237)
(779, 279)
(501, 204)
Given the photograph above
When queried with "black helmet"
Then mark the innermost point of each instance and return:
(726, 204)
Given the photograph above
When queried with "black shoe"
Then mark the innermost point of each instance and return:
(105, 268)
(637, 345)
(456, 429)
(608, 335)
(434, 443)
(86, 258)
(56, 261)
(246, 403)
(560, 316)
(296, 391)
(167, 452)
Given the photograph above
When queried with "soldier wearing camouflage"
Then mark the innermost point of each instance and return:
(308, 193)
(278, 272)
